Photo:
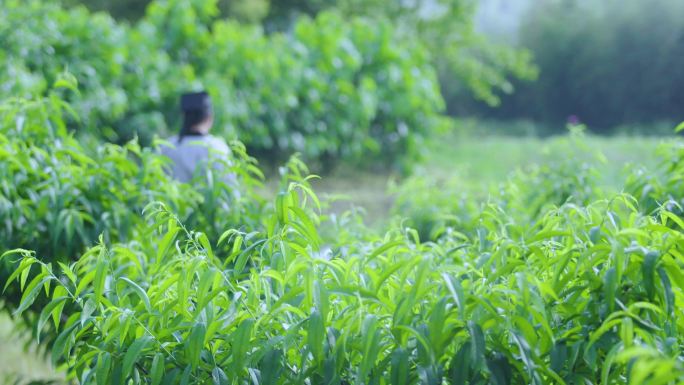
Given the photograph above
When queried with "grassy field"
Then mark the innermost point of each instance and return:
(483, 162)
(480, 162)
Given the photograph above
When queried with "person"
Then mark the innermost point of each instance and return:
(194, 149)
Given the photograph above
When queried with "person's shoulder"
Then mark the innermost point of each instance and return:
(217, 144)
(168, 143)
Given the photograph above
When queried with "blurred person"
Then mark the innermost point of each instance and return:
(573, 120)
(194, 149)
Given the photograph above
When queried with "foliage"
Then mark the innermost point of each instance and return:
(436, 207)
(610, 63)
(603, 295)
(664, 186)
(333, 89)
(527, 288)
(468, 63)
(58, 197)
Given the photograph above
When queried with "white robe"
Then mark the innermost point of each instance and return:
(194, 153)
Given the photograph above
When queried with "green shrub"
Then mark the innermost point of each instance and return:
(530, 287)
(58, 197)
(566, 174)
(572, 298)
(332, 89)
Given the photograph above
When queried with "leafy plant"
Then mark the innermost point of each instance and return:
(331, 90)
(572, 291)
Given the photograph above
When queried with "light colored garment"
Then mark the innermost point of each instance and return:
(194, 153)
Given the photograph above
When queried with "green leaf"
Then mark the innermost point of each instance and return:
(45, 314)
(271, 366)
(608, 363)
(195, 342)
(610, 287)
(218, 377)
(102, 368)
(166, 242)
(32, 292)
(667, 291)
(500, 369)
(88, 310)
(99, 279)
(457, 293)
(241, 344)
(316, 335)
(559, 355)
(460, 365)
(204, 241)
(157, 371)
(24, 253)
(139, 291)
(680, 127)
(478, 346)
(133, 353)
(400, 367)
(185, 378)
(384, 248)
(23, 270)
(68, 272)
(650, 260)
(59, 346)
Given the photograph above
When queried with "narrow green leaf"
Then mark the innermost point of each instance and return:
(204, 241)
(88, 310)
(667, 291)
(59, 346)
(24, 266)
(24, 253)
(157, 371)
(241, 344)
(32, 292)
(99, 279)
(316, 335)
(102, 368)
(460, 365)
(133, 353)
(166, 242)
(68, 272)
(139, 291)
(45, 314)
(478, 347)
(218, 377)
(185, 378)
(500, 369)
(400, 367)
(195, 342)
(680, 127)
(650, 260)
(610, 286)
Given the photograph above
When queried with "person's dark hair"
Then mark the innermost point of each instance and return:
(191, 119)
(196, 108)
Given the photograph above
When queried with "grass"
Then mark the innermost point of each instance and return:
(481, 161)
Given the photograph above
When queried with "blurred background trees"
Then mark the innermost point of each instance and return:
(616, 65)
(470, 66)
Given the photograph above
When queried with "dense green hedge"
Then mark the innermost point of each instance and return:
(332, 89)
